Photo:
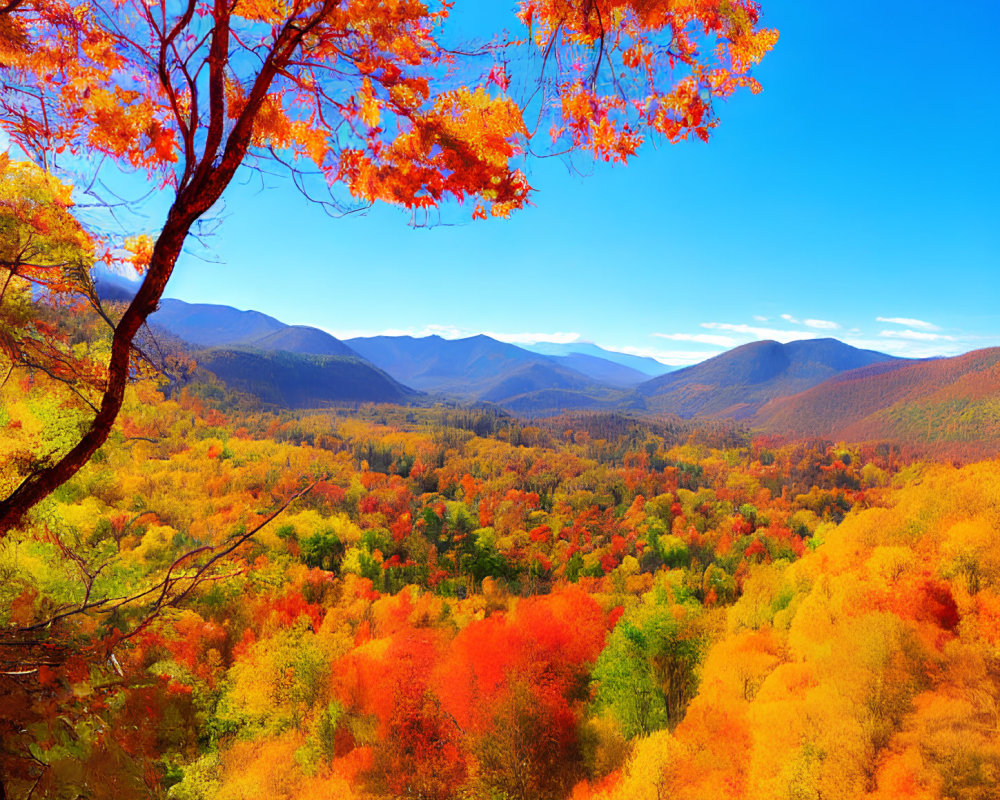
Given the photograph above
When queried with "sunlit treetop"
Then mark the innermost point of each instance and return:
(369, 93)
(40, 240)
(45, 254)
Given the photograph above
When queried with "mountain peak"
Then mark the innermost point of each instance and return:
(738, 382)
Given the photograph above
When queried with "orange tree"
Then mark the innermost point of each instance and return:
(366, 91)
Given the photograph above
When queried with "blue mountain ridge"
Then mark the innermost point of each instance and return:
(260, 354)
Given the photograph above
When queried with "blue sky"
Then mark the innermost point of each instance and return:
(858, 197)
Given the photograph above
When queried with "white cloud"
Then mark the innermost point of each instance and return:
(920, 336)
(821, 324)
(700, 338)
(910, 323)
(759, 318)
(671, 358)
(907, 348)
(753, 332)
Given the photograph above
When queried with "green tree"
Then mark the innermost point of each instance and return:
(648, 672)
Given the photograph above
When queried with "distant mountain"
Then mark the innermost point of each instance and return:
(649, 367)
(294, 380)
(463, 367)
(212, 325)
(207, 325)
(293, 366)
(473, 369)
(553, 402)
(481, 369)
(812, 387)
(306, 340)
(113, 287)
(738, 382)
(250, 353)
(942, 406)
(539, 376)
(601, 369)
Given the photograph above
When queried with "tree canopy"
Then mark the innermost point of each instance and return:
(376, 98)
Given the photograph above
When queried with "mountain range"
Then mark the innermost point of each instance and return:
(813, 387)
(302, 380)
(649, 367)
(300, 366)
(260, 355)
(208, 325)
(481, 369)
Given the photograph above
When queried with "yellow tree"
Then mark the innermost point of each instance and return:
(45, 259)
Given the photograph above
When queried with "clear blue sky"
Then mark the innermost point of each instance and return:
(858, 197)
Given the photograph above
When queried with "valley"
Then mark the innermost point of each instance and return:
(812, 387)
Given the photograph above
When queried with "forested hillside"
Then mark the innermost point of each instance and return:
(737, 383)
(947, 407)
(292, 380)
(464, 605)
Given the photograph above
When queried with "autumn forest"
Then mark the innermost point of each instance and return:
(247, 559)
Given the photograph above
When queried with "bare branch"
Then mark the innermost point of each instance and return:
(172, 589)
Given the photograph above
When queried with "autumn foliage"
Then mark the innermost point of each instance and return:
(588, 607)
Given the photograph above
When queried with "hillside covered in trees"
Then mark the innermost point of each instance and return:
(459, 604)
(946, 406)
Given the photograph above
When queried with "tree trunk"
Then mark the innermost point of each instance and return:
(217, 166)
